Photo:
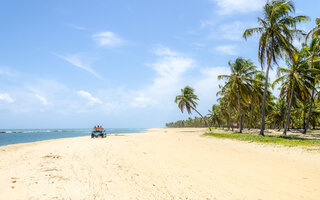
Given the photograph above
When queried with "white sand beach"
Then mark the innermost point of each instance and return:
(159, 164)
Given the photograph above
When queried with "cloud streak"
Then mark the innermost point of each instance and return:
(91, 100)
(75, 61)
(42, 99)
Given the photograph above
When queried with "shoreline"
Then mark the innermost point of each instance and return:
(157, 164)
(25, 138)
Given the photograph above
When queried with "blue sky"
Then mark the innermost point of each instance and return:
(67, 64)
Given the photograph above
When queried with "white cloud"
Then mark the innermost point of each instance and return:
(42, 99)
(169, 68)
(140, 101)
(107, 39)
(76, 61)
(208, 85)
(226, 30)
(227, 49)
(6, 98)
(172, 67)
(238, 6)
(91, 100)
(164, 51)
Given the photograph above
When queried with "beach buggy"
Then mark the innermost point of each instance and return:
(98, 131)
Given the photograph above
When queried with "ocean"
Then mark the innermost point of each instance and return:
(15, 136)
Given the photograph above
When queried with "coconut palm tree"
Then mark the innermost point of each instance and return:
(214, 115)
(277, 32)
(277, 113)
(258, 92)
(314, 61)
(297, 81)
(227, 101)
(240, 82)
(187, 100)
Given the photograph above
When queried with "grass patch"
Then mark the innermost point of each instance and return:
(289, 141)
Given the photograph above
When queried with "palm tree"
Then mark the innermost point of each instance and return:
(187, 100)
(227, 102)
(296, 81)
(315, 54)
(240, 82)
(258, 92)
(277, 113)
(277, 31)
(214, 115)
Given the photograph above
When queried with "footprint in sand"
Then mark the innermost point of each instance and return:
(14, 179)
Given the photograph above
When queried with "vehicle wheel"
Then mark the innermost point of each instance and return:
(92, 135)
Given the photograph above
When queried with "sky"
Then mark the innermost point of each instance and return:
(120, 64)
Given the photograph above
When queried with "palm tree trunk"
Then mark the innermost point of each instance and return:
(229, 120)
(205, 121)
(309, 114)
(239, 106)
(256, 118)
(304, 118)
(211, 123)
(264, 101)
(284, 117)
(251, 116)
(289, 109)
(263, 123)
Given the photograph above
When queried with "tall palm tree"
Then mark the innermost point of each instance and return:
(240, 82)
(187, 100)
(296, 81)
(277, 31)
(315, 54)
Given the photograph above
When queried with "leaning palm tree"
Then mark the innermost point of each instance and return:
(187, 100)
(277, 30)
(240, 82)
(314, 61)
(297, 81)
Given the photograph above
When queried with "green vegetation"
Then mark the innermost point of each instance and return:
(187, 100)
(290, 141)
(245, 99)
(277, 32)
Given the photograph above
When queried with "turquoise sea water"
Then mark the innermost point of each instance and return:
(14, 136)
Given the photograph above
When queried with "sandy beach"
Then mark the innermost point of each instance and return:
(158, 164)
